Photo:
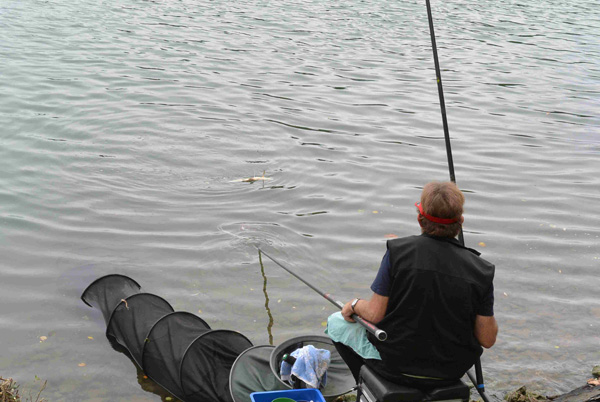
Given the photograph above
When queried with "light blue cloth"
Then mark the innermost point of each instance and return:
(351, 334)
(310, 366)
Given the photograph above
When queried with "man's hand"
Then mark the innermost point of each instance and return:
(372, 310)
(347, 311)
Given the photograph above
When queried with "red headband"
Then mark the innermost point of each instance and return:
(443, 221)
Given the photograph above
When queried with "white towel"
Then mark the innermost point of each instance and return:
(310, 366)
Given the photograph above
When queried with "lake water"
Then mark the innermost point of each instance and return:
(125, 125)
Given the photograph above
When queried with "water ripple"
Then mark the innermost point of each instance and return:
(126, 129)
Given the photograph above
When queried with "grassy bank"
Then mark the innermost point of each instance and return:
(9, 392)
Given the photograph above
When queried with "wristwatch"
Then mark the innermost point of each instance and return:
(354, 304)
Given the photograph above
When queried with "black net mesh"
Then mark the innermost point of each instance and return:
(180, 352)
(251, 372)
(132, 319)
(108, 291)
(166, 345)
(339, 378)
(206, 365)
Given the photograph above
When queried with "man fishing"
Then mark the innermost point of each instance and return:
(434, 298)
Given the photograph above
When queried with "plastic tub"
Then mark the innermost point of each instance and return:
(306, 394)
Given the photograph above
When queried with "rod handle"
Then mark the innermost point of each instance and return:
(478, 382)
(380, 334)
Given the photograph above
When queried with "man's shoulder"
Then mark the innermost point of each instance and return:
(422, 240)
(406, 239)
(402, 241)
(449, 247)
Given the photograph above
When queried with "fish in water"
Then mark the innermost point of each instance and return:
(252, 179)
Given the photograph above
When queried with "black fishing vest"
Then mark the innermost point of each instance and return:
(436, 286)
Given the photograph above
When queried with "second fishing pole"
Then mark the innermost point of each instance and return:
(477, 380)
(379, 333)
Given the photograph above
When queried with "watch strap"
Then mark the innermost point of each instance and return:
(354, 302)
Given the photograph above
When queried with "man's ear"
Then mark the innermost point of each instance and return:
(420, 220)
(462, 219)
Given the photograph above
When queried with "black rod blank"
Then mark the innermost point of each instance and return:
(379, 333)
(478, 381)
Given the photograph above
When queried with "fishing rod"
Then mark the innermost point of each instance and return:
(478, 380)
(379, 333)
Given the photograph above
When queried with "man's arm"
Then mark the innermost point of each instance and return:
(486, 330)
(372, 310)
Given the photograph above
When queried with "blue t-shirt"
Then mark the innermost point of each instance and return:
(383, 280)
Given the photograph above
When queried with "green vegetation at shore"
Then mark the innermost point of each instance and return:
(586, 393)
(9, 392)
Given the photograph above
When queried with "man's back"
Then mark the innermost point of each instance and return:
(437, 288)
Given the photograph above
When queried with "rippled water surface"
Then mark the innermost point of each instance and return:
(126, 126)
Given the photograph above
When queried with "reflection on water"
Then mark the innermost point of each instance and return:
(126, 125)
(143, 380)
(270, 323)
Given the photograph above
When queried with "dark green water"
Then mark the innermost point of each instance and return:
(124, 125)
